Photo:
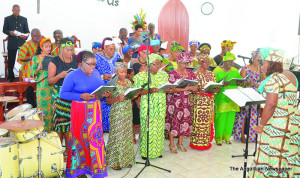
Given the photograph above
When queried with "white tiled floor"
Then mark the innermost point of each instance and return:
(212, 163)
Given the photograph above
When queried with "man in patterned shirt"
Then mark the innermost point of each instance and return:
(26, 53)
(57, 35)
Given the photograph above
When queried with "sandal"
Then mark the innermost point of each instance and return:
(228, 142)
(181, 148)
(219, 144)
(173, 149)
(129, 166)
(117, 168)
(243, 140)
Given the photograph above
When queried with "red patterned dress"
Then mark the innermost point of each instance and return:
(178, 117)
(202, 114)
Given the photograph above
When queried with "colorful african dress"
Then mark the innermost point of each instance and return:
(202, 114)
(278, 151)
(26, 50)
(119, 149)
(43, 92)
(178, 117)
(105, 66)
(157, 114)
(225, 108)
(241, 116)
(55, 50)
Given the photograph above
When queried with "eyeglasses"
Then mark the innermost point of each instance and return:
(91, 65)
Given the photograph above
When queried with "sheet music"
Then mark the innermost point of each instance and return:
(254, 95)
(164, 45)
(17, 64)
(243, 95)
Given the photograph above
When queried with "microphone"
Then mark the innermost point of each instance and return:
(145, 39)
(243, 57)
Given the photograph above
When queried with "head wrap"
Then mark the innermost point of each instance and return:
(126, 49)
(228, 44)
(119, 65)
(202, 57)
(204, 46)
(44, 40)
(273, 55)
(108, 42)
(176, 46)
(153, 57)
(185, 57)
(66, 42)
(105, 41)
(229, 56)
(144, 47)
(116, 40)
(96, 45)
(70, 39)
(154, 42)
(254, 54)
(194, 42)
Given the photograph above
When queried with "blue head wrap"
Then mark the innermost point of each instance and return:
(96, 45)
(194, 42)
(70, 39)
(126, 49)
(154, 42)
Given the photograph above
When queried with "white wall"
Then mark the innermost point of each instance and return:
(252, 23)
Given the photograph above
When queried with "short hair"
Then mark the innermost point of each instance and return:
(35, 30)
(138, 26)
(122, 30)
(16, 5)
(151, 24)
(57, 31)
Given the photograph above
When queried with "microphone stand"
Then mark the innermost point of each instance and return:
(147, 163)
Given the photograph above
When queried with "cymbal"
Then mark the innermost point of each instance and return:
(16, 125)
(3, 131)
(7, 98)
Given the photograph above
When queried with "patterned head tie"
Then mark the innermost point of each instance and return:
(204, 47)
(202, 57)
(273, 55)
(44, 40)
(193, 42)
(176, 46)
(119, 65)
(254, 54)
(185, 57)
(228, 44)
(96, 45)
(153, 57)
(65, 42)
(229, 57)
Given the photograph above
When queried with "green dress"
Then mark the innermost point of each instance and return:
(43, 92)
(157, 114)
(225, 108)
(120, 149)
(280, 140)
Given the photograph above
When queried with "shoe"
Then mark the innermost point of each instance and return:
(243, 140)
(117, 168)
(10, 80)
(219, 144)
(144, 158)
(228, 142)
(173, 149)
(160, 156)
(181, 148)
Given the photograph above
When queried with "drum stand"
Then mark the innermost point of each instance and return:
(39, 156)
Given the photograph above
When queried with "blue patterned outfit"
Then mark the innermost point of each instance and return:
(106, 66)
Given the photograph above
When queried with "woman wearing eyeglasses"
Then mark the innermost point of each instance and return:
(57, 71)
(106, 67)
(87, 155)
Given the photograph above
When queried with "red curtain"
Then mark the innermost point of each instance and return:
(173, 24)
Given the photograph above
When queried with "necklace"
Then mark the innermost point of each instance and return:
(141, 62)
(119, 82)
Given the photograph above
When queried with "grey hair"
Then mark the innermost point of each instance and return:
(16, 5)
(122, 30)
(151, 24)
(35, 30)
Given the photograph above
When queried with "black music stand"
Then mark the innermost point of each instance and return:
(245, 155)
(147, 163)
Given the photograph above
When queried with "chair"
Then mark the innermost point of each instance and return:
(75, 41)
(5, 55)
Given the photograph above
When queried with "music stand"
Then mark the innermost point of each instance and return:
(147, 163)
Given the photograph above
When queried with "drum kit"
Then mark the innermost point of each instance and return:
(29, 151)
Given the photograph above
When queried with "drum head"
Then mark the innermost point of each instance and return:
(27, 114)
(15, 111)
(4, 142)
